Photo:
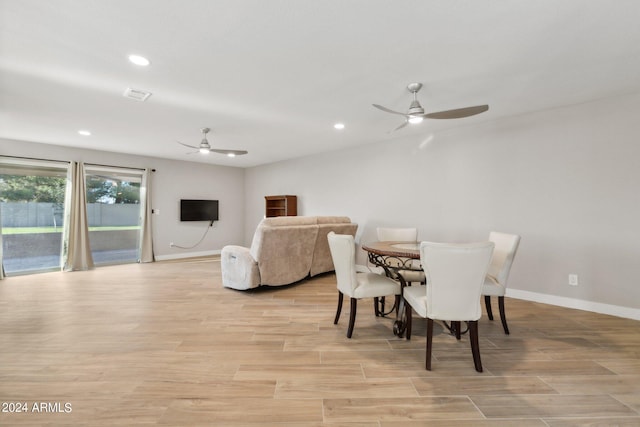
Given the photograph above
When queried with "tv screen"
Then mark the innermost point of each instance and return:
(198, 210)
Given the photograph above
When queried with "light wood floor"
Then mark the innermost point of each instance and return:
(166, 344)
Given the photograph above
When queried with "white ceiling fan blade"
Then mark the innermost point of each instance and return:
(458, 113)
(385, 109)
(401, 126)
(186, 145)
(230, 152)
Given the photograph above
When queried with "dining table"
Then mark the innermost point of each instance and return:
(395, 258)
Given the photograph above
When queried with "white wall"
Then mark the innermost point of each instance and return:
(566, 180)
(172, 181)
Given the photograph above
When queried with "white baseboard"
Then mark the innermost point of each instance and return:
(187, 255)
(595, 307)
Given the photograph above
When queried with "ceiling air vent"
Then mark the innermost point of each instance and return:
(137, 95)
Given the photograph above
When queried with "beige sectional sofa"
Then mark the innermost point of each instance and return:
(284, 250)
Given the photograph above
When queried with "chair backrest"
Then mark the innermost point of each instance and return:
(455, 275)
(397, 234)
(343, 253)
(503, 254)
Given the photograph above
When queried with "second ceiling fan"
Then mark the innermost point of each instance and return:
(205, 147)
(416, 113)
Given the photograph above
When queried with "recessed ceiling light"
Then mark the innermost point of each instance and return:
(84, 132)
(139, 60)
(339, 126)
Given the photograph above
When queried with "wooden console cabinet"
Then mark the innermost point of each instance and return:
(281, 206)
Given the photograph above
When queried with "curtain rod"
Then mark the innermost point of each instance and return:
(35, 158)
(67, 161)
(120, 167)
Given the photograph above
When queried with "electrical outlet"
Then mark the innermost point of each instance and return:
(573, 279)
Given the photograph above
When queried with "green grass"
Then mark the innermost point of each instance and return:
(31, 230)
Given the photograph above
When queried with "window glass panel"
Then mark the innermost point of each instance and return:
(113, 212)
(32, 211)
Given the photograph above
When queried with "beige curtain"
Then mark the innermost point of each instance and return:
(146, 243)
(76, 251)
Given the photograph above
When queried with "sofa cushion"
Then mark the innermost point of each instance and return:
(278, 221)
(288, 221)
(284, 254)
(333, 220)
(322, 261)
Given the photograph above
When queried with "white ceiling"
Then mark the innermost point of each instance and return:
(273, 76)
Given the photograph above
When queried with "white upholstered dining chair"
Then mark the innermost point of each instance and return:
(455, 276)
(495, 284)
(389, 234)
(356, 285)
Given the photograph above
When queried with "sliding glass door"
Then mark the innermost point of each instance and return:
(114, 213)
(35, 228)
(32, 197)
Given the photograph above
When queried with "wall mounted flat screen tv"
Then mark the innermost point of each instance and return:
(198, 210)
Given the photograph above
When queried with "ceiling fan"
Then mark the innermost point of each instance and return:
(416, 113)
(205, 147)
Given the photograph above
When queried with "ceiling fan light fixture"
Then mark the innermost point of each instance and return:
(416, 113)
(231, 154)
(204, 150)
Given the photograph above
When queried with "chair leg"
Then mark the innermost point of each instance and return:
(397, 304)
(503, 317)
(475, 346)
(429, 343)
(376, 305)
(340, 297)
(352, 317)
(487, 303)
(408, 314)
(456, 327)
